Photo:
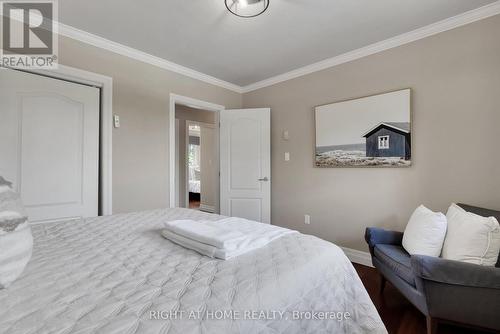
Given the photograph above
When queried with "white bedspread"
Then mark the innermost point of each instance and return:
(116, 274)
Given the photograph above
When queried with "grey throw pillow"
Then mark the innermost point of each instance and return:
(12, 213)
(16, 241)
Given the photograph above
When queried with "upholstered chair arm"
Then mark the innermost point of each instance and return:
(455, 272)
(375, 235)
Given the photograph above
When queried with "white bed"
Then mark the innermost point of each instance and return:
(194, 186)
(111, 274)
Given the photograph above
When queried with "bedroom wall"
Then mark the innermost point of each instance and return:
(455, 78)
(141, 99)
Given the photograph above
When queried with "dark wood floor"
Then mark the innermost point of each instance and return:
(194, 204)
(398, 315)
(194, 200)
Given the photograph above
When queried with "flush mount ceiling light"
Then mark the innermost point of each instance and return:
(247, 8)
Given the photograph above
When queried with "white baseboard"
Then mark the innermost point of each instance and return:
(359, 257)
(207, 208)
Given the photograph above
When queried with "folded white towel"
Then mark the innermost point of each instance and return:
(237, 234)
(208, 232)
(201, 248)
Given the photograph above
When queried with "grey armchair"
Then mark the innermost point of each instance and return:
(441, 289)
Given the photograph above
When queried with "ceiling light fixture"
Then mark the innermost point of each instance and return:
(247, 8)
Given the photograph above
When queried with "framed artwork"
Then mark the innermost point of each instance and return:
(373, 131)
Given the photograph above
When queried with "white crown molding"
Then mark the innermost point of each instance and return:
(409, 37)
(412, 36)
(100, 42)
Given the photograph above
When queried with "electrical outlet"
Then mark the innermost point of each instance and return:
(286, 136)
(287, 156)
(307, 219)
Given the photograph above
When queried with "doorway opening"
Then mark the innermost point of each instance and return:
(194, 165)
(197, 158)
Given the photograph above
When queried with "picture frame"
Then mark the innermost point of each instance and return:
(370, 131)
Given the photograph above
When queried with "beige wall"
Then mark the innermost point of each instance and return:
(455, 78)
(141, 98)
(183, 114)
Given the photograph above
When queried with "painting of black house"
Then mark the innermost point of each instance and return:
(389, 139)
(372, 131)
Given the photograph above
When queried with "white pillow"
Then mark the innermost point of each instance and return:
(471, 238)
(425, 232)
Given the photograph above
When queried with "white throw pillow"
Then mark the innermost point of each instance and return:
(471, 238)
(425, 232)
(16, 241)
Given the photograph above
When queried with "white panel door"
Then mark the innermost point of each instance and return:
(245, 158)
(49, 146)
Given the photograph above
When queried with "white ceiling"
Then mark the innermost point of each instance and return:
(204, 36)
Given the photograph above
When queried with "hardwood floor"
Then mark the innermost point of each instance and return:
(194, 200)
(193, 204)
(398, 314)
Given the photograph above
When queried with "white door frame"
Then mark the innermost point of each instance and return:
(190, 102)
(105, 84)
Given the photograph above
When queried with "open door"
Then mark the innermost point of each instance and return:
(245, 164)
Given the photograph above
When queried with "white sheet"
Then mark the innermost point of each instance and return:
(199, 247)
(225, 238)
(107, 274)
(229, 233)
(212, 233)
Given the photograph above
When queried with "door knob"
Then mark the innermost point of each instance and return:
(265, 179)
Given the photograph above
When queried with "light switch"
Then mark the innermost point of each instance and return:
(286, 136)
(287, 156)
(307, 219)
(116, 120)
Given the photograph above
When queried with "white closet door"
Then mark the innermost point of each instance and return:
(49, 144)
(245, 164)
